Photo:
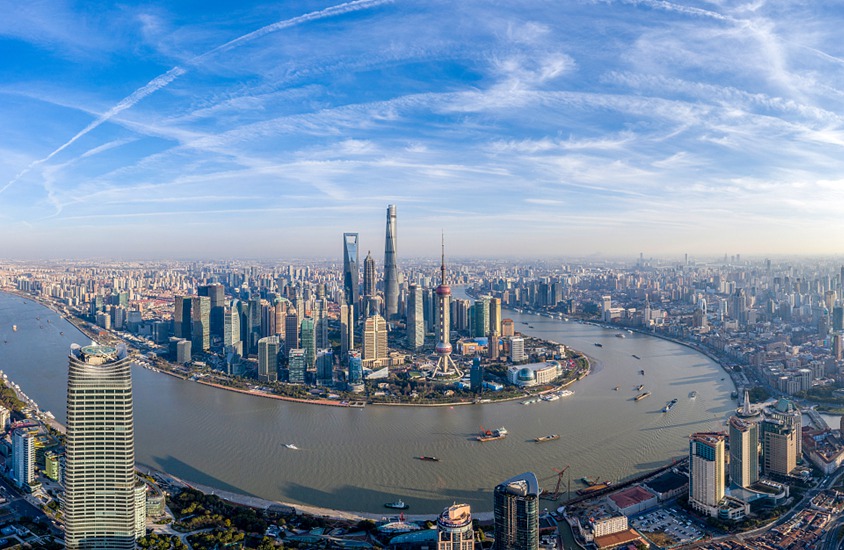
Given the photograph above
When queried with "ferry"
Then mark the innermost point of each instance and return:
(641, 396)
(634, 356)
(428, 458)
(531, 401)
(544, 438)
(550, 397)
(692, 395)
(397, 505)
(566, 393)
(669, 405)
(491, 435)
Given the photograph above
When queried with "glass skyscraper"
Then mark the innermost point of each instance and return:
(351, 275)
(516, 513)
(99, 503)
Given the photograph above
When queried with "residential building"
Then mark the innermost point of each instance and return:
(516, 513)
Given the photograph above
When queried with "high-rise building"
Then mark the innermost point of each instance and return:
(415, 318)
(200, 317)
(476, 376)
(347, 329)
(268, 350)
(181, 317)
(23, 457)
(308, 343)
(744, 452)
(5, 415)
(517, 350)
(291, 329)
(516, 513)
(369, 276)
(231, 326)
(296, 367)
(508, 328)
(445, 364)
(454, 528)
(351, 275)
(375, 338)
(780, 434)
(481, 321)
(355, 368)
(706, 471)
(325, 367)
(99, 503)
(391, 276)
(217, 294)
(495, 315)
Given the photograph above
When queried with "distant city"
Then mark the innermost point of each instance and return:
(350, 334)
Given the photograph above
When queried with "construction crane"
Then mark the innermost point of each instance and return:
(556, 494)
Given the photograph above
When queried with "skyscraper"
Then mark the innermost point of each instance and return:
(355, 368)
(781, 445)
(23, 457)
(495, 315)
(308, 343)
(445, 363)
(391, 276)
(454, 528)
(99, 504)
(268, 350)
(296, 366)
(369, 278)
(216, 293)
(516, 513)
(481, 327)
(291, 329)
(744, 452)
(415, 318)
(347, 329)
(200, 323)
(351, 275)
(706, 471)
(375, 338)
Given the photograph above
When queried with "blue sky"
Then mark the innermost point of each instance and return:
(559, 128)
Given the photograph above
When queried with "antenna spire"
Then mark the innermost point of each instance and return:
(442, 265)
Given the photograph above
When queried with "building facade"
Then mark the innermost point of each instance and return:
(706, 472)
(516, 513)
(744, 452)
(268, 350)
(454, 528)
(391, 275)
(99, 504)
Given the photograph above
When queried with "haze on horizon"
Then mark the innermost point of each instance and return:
(552, 129)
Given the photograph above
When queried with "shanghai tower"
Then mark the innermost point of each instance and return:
(391, 280)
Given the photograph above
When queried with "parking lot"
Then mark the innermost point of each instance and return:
(665, 524)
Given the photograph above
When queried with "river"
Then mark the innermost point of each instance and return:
(359, 459)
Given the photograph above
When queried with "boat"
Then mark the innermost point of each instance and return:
(397, 505)
(669, 405)
(629, 331)
(291, 446)
(639, 387)
(589, 481)
(566, 393)
(491, 435)
(14, 328)
(619, 335)
(429, 458)
(617, 388)
(530, 326)
(597, 344)
(641, 396)
(530, 401)
(550, 397)
(642, 372)
(692, 395)
(544, 438)
(635, 356)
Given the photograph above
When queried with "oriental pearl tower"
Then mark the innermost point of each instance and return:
(445, 364)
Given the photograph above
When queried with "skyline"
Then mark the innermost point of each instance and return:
(591, 128)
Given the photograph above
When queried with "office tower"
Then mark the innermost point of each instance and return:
(321, 324)
(492, 346)
(429, 308)
(369, 278)
(508, 328)
(231, 325)
(183, 351)
(307, 330)
(838, 318)
(476, 376)
(481, 321)
(350, 268)
(99, 504)
(325, 367)
(181, 317)
(217, 294)
(4, 418)
(267, 319)
(517, 349)
(445, 363)
(281, 306)
(454, 528)
(781, 445)
(296, 366)
(744, 452)
(391, 276)
(516, 513)
(268, 350)
(495, 315)
(415, 318)
(706, 471)
(347, 329)
(375, 338)
(23, 457)
(355, 368)
(253, 326)
(291, 329)
(200, 323)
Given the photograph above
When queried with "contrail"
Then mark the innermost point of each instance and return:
(165, 79)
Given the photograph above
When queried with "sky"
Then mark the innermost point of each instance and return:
(518, 129)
